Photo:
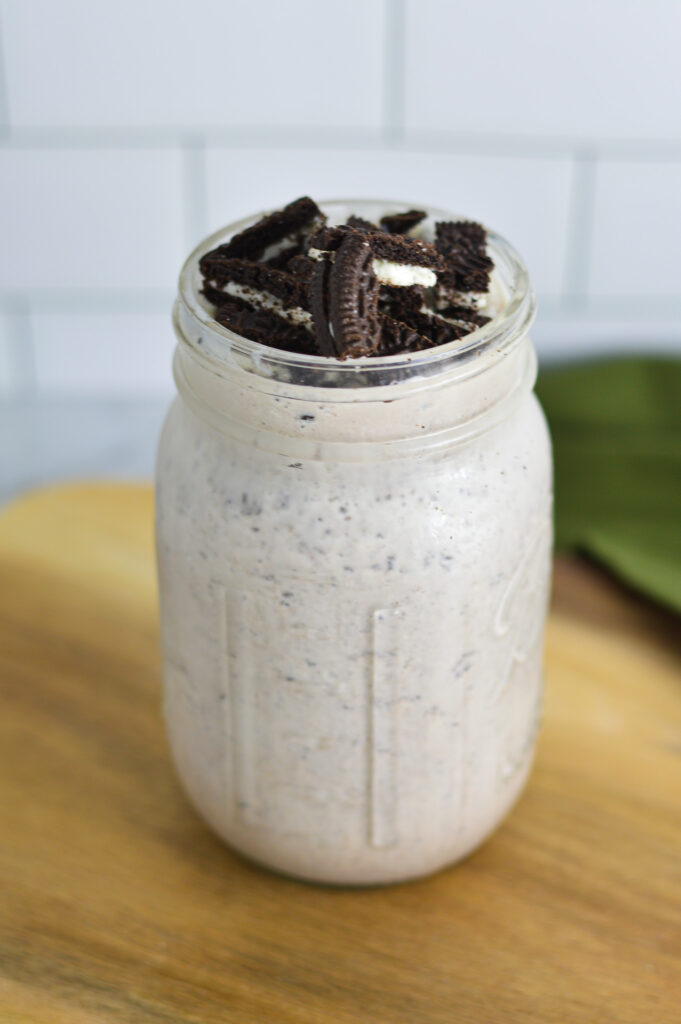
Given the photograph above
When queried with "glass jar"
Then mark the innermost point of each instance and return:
(354, 565)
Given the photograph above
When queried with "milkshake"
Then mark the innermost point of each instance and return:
(353, 546)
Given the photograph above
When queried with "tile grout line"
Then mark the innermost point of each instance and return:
(194, 189)
(393, 131)
(580, 229)
(394, 82)
(5, 128)
(22, 349)
(158, 137)
(84, 301)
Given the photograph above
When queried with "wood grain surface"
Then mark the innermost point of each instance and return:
(118, 905)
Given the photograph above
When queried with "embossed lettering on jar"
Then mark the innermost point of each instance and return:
(354, 567)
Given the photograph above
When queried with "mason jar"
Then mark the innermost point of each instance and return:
(354, 566)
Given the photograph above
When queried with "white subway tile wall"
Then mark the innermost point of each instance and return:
(588, 69)
(110, 355)
(630, 335)
(8, 372)
(80, 218)
(149, 63)
(129, 130)
(636, 245)
(16, 353)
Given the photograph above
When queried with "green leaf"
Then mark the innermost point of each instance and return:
(616, 428)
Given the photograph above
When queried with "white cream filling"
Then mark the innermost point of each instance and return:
(278, 247)
(491, 302)
(265, 300)
(476, 300)
(403, 275)
(292, 240)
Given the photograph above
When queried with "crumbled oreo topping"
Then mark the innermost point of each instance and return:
(353, 298)
(266, 327)
(464, 314)
(401, 223)
(395, 248)
(462, 244)
(220, 273)
(360, 224)
(288, 228)
(400, 302)
(292, 282)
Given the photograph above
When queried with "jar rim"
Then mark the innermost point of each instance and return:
(218, 345)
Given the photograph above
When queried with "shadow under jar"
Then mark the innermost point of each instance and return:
(354, 565)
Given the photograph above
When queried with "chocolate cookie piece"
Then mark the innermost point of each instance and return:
(282, 260)
(464, 235)
(353, 299)
(464, 314)
(288, 227)
(400, 223)
(259, 277)
(328, 239)
(360, 224)
(396, 337)
(433, 327)
(412, 306)
(262, 326)
(441, 331)
(408, 306)
(462, 244)
(399, 302)
(218, 297)
(318, 290)
(302, 266)
(411, 251)
(392, 248)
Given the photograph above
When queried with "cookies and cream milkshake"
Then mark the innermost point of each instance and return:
(354, 535)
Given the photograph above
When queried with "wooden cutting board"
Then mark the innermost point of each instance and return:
(118, 905)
